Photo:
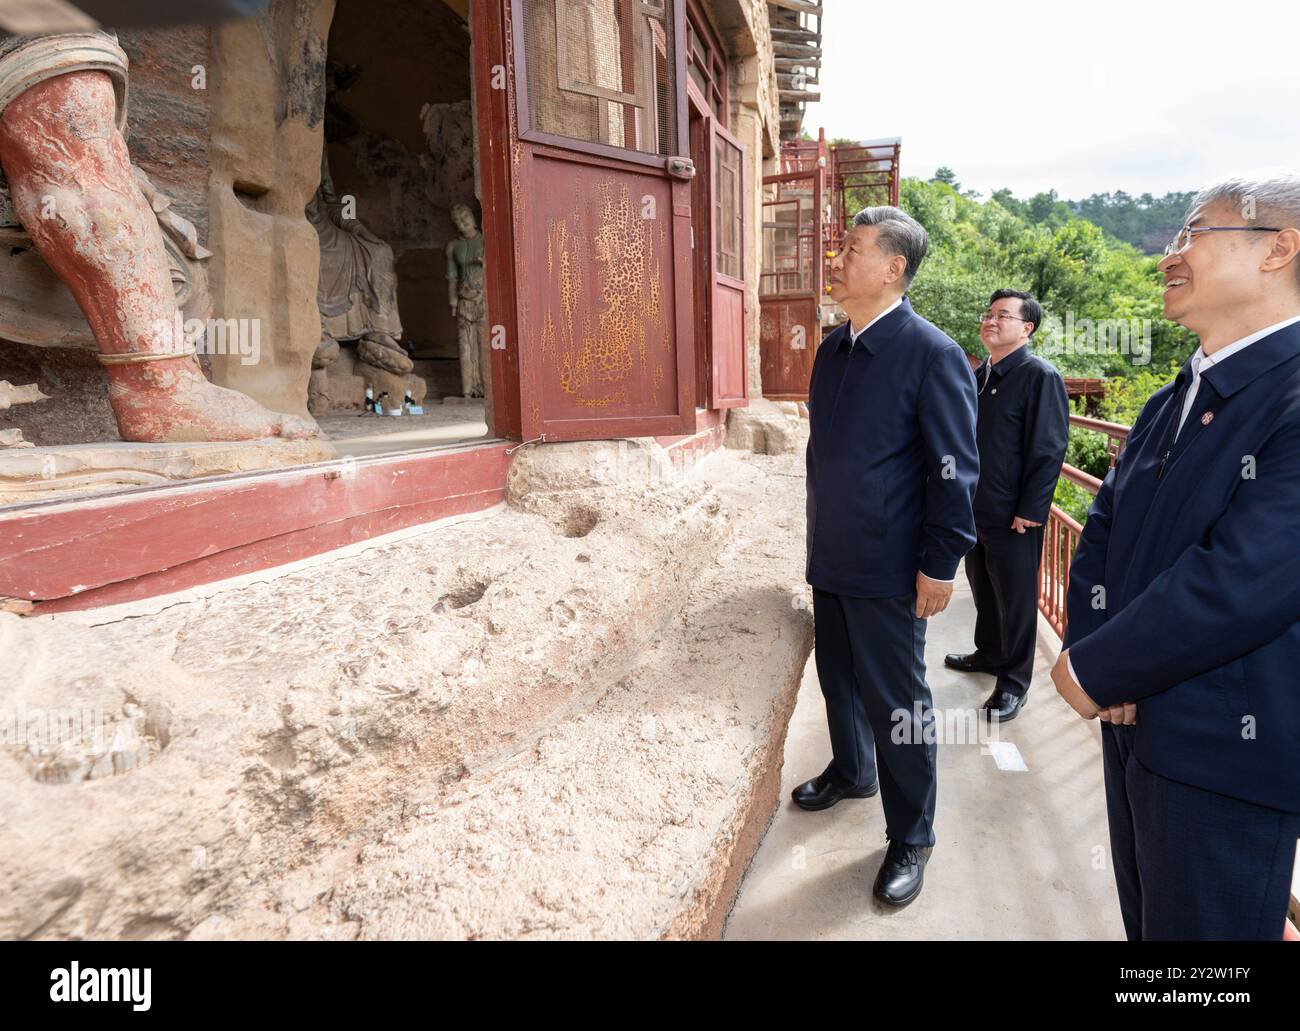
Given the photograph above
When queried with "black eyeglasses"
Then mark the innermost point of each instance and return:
(1185, 234)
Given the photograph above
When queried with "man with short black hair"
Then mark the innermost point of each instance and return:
(1023, 429)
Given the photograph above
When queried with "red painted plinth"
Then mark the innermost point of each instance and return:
(144, 542)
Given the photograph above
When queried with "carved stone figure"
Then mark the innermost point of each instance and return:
(70, 182)
(468, 303)
(357, 297)
(36, 307)
(357, 291)
(318, 393)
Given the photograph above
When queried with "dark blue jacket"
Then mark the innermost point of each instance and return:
(892, 461)
(1198, 616)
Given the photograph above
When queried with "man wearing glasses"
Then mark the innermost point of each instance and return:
(1184, 601)
(1023, 427)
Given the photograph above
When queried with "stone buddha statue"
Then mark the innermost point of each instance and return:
(357, 298)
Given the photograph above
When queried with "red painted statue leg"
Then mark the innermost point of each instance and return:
(71, 182)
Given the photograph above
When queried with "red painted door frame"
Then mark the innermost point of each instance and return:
(493, 78)
(701, 136)
(722, 361)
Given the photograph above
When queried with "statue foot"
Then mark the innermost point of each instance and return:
(156, 406)
(372, 350)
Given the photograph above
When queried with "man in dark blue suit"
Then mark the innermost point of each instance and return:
(1184, 604)
(892, 468)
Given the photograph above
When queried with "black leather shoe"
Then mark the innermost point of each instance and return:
(901, 874)
(966, 663)
(821, 793)
(1002, 705)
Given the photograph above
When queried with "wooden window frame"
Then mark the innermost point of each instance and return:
(713, 64)
(523, 102)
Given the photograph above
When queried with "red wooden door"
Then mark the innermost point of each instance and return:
(729, 386)
(600, 215)
(790, 286)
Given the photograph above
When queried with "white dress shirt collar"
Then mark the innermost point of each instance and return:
(853, 337)
(1201, 361)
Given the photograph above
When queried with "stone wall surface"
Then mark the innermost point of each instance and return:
(167, 118)
(560, 719)
(267, 130)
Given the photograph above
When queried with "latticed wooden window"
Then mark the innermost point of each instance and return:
(600, 71)
(727, 168)
(705, 63)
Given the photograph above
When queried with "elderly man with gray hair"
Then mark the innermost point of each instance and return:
(892, 467)
(1184, 600)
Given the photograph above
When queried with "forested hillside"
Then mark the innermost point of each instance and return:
(1101, 296)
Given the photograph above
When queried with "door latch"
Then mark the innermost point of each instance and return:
(681, 168)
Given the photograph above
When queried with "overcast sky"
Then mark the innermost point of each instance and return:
(1083, 98)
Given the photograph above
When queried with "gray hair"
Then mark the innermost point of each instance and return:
(899, 234)
(1269, 198)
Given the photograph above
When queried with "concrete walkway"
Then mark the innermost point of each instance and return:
(1020, 855)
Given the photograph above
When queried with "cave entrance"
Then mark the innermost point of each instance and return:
(398, 187)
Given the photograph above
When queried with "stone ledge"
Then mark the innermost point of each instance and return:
(767, 427)
(77, 470)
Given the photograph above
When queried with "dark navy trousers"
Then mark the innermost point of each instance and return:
(1002, 569)
(1191, 864)
(871, 664)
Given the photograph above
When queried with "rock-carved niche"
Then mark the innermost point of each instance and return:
(398, 190)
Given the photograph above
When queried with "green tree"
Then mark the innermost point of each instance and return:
(944, 174)
(1085, 276)
(1102, 298)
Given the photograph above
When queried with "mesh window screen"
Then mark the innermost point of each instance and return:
(601, 71)
(729, 214)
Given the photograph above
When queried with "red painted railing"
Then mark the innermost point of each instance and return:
(1061, 534)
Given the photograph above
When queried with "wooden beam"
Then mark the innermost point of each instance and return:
(795, 50)
(800, 96)
(796, 35)
(802, 6)
(795, 62)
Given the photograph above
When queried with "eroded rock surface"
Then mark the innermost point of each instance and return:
(564, 722)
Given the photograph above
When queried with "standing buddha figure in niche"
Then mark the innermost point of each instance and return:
(466, 296)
